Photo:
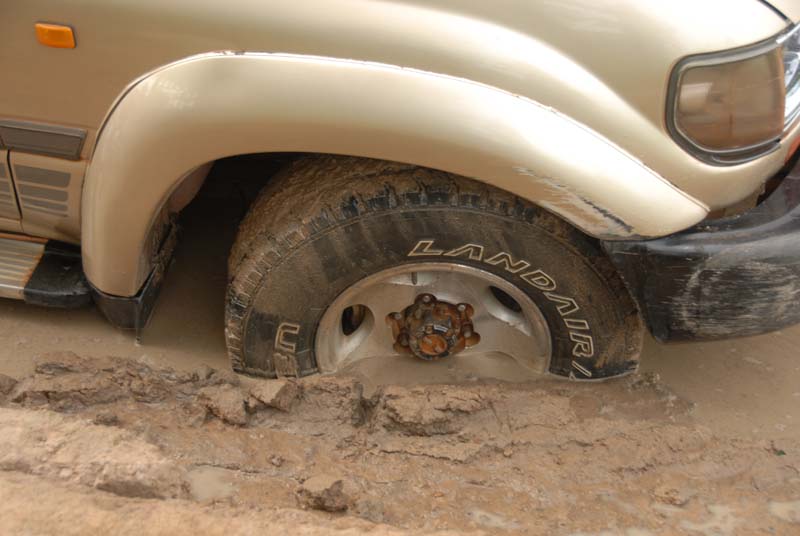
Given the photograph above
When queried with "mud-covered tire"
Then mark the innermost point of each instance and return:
(327, 222)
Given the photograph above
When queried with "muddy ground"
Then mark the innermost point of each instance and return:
(114, 445)
(100, 435)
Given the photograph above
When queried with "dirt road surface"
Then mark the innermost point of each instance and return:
(101, 435)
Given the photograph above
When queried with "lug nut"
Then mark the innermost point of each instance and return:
(462, 307)
(398, 316)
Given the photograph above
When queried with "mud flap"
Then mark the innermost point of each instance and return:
(133, 312)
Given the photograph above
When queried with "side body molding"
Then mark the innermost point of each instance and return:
(222, 104)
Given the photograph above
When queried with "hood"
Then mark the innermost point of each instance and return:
(790, 8)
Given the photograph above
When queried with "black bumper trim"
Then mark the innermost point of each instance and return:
(724, 278)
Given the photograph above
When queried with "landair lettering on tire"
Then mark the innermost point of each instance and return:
(326, 224)
(580, 331)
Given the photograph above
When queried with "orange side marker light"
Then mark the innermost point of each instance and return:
(55, 35)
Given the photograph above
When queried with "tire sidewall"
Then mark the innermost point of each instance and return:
(584, 316)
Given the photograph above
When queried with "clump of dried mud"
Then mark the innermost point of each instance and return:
(115, 446)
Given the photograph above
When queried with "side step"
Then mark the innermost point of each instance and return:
(42, 272)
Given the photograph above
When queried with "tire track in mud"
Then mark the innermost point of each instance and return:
(544, 457)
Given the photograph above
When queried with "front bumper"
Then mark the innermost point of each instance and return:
(725, 278)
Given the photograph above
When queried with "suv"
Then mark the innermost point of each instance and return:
(538, 180)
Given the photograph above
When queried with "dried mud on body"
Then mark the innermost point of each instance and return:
(114, 445)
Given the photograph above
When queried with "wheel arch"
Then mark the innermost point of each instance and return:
(183, 116)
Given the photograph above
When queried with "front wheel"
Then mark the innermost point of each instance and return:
(342, 260)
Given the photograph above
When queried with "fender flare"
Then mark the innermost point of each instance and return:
(216, 105)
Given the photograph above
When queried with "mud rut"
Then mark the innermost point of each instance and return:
(91, 445)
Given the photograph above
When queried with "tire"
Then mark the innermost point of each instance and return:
(325, 223)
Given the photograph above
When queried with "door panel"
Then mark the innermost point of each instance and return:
(49, 191)
(8, 199)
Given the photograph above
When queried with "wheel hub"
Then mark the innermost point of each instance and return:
(432, 329)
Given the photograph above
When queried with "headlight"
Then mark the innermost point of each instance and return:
(791, 66)
(731, 107)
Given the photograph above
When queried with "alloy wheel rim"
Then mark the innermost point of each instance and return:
(353, 328)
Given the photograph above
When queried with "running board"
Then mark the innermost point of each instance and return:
(42, 272)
